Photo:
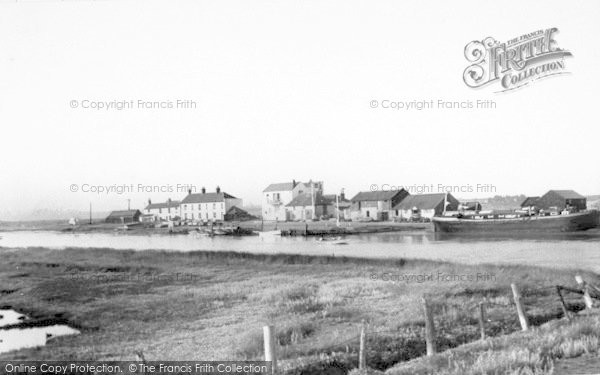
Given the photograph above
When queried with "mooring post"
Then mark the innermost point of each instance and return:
(482, 319)
(269, 341)
(520, 309)
(586, 292)
(429, 327)
(362, 351)
(566, 312)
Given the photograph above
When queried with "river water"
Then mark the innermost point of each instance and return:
(572, 250)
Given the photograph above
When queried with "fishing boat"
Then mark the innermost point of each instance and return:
(517, 221)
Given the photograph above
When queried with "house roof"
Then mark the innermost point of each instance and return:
(568, 194)
(421, 201)
(167, 204)
(283, 186)
(530, 201)
(375, 195)
(206, 197)
(124, 213)
(304, 200)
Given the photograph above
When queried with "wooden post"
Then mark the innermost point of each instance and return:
(586, 293)
(269, 340)
(362, 351)
(566, 312)
(482, 319)
(429, 327)
(520, 309)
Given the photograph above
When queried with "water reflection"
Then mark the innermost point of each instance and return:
(26, 337)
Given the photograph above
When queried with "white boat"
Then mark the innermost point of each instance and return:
(269, 233)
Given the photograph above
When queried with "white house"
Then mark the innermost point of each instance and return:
(277, 196)
(165, 211)
(424, 206)
(207, 206)
(375, 205)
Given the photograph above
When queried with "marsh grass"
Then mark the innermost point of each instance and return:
(317, 304)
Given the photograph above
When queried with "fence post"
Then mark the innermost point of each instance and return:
(482, 319)
(429, 327)
(566, 312)
(362, 351)
(586, 293)
(269, 340)
(520, 309)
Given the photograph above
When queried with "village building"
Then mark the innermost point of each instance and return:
(164, 211)
(307, 206)
(530, 203)
(205, 207)
(375, 205)
(423, 207)
(339, 204)
(123, 217)
(558, 200)
(277, 196)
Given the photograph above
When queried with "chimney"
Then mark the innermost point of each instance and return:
(342, 195)
(149, 201)
(189, 191)
(218, 189)
(203, 190)
(169, 200)
(293, 183)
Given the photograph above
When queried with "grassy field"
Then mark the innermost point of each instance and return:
(213, 305)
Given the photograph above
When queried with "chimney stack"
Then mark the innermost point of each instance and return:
(149, 201)
(203, 190)
(189, 191)
(218, 189)
(342, 195)
(293, 183)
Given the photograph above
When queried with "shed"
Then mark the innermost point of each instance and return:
(124, 216)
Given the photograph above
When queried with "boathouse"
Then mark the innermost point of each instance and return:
(124, 217)
(561, 199)
(422, 207)
(376, 205)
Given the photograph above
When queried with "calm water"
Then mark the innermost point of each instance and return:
(19, 338)
(581, 250)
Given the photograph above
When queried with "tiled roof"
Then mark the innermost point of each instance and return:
(283, 186)
(206, 198)
(124, 213)
(375, 195)
(167, 204)
(568, 194)
(421, 201)
(530, 201)
(304, 200)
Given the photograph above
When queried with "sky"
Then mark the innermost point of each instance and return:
(282, 90)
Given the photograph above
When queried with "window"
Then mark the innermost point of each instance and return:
(160, 210)
(368, 213)
(199, 206)
(214, 206)
(214, 215)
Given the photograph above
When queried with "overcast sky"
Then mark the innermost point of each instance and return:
(283, 91)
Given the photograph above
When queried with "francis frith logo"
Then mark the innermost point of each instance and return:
(515, 63)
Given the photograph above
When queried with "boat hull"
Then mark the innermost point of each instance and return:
(560, 223)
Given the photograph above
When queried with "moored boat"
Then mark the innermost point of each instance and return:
(570, 222)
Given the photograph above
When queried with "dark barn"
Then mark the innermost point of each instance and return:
(562, 199)
(124, 216)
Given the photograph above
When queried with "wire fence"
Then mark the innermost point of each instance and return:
(480, 309)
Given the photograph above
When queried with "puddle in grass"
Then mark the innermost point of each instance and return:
(27, 337)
